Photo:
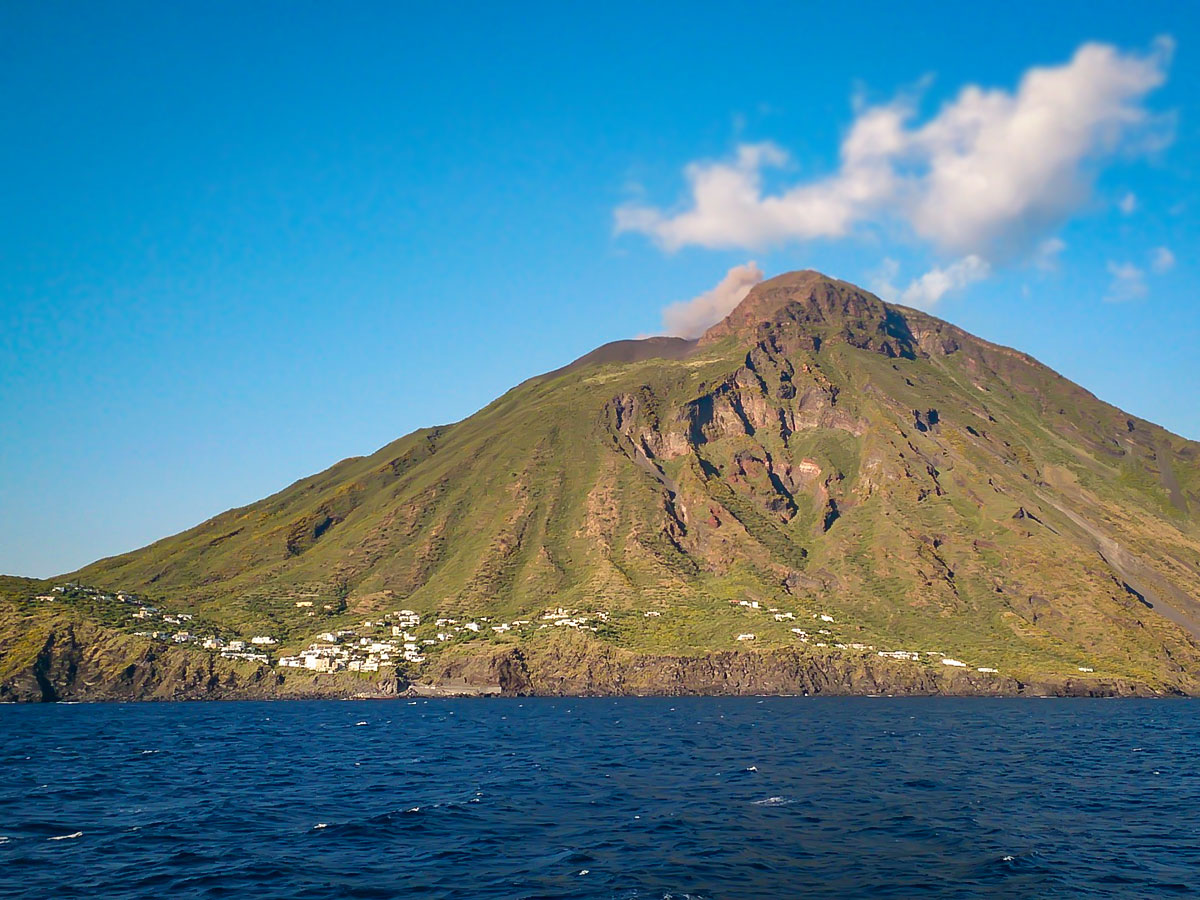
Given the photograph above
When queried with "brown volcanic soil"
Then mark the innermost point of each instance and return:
(630, 351)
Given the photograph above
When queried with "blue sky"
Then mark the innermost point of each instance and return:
(243, 241)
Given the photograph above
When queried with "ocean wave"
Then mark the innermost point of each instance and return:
(717, 800)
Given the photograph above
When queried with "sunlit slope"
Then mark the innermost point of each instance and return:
(819, 451)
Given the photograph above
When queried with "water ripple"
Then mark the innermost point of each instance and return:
(647, 799)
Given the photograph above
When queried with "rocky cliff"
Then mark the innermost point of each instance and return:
(84, 664)
(588, 668)
(87, 662)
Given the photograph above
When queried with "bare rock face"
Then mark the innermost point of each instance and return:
(89, 663)
(823, 309)
(588, 668)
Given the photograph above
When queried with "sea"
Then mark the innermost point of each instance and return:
(602, 798)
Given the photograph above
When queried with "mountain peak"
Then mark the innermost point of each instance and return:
(807, 296)
(811, 305)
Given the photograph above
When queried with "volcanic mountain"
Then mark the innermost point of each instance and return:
(845, 479)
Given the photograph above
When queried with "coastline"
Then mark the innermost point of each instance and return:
(80, 664)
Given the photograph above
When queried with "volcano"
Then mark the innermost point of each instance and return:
(835, 480)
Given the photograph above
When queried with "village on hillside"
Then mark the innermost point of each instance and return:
(405, 637)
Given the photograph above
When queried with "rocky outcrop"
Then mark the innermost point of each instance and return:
(580, 667)
(83, 662)
(824, 309)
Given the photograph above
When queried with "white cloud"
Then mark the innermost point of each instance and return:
(988, 177)
(1047, 254)
(1128, 203)
(691, 318)
(729, 209)
(925, 292)
(1162, 260)
(882, 281)
(1128, 282)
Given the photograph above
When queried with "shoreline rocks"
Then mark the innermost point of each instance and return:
(83, 663)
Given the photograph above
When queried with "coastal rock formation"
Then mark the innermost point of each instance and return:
(588, 668)
(87, 662)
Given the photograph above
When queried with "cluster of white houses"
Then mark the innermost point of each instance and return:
(350, 650)
(380, 644)
(366, 649)
(253, 650)
(780, 615)
(805, 637)
(178, 632)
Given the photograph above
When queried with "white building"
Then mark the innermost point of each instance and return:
(900, 654)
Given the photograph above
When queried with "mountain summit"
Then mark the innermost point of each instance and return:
(806, 297)
(825, 492)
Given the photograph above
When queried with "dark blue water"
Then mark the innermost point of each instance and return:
(713, 798)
